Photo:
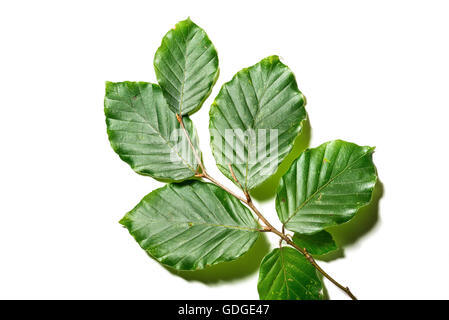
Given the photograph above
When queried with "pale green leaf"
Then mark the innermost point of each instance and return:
(145, 133)
(285, 274)
(192, 225)
(254, 121)
(186, 66)
(316, 244)
(326, 186)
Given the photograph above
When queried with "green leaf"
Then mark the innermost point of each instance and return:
(145, 133)
(254, 121)
(186, 66)
(316, 244)
(192, 225)
(285, 274)
(326, 186)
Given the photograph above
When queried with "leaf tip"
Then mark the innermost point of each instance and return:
(185, 22)
(272, 59)
(123, 221)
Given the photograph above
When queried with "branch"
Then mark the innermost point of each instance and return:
(268, 226)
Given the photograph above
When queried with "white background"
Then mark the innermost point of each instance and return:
(374, 72)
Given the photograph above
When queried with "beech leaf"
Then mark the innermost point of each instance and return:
(145, 133)
(192, 225)
(326, 186)
(285, 274)
(186, 66)
(254, 121)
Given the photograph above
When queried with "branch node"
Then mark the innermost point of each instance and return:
(308, 256)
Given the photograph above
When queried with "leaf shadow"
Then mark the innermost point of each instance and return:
(348, 233)
(267, 190)
(362, 223)
(235, 270)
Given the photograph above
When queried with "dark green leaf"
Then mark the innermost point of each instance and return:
(285, 274)
(326, 186)
(145, 133)
(254, 121)
(192, 225)
(316, 244)
(186, 67)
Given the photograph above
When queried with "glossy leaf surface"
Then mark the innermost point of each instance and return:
(316, 244)
(186, 66)
(254, 121)
(192, 225)
(326, 186)
(145, 133)
(285, 274)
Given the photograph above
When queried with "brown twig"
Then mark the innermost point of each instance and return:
(313, 262)
(302, 250)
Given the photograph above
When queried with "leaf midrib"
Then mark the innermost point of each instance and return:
(284, 271)
(285, 276)
(184, 70)
(174, 222)
(256, 115)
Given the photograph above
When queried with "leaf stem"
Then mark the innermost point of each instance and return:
(268, 226)
(197, 157)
